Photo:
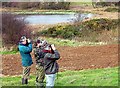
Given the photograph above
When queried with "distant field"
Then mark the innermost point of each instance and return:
(97, 77)
(61, 42)
(82, 3)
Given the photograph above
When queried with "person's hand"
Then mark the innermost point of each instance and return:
(28, 40)
(38, 45)
(53, 47)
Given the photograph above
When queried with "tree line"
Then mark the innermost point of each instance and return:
(102, 3)
(37, 5)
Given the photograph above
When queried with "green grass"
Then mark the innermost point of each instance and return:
(67, 42)
(96, 77)
(8, 52)
(81, 2)
(47, 12)
(60, 42)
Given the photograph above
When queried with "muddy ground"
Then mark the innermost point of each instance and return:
(72, 58)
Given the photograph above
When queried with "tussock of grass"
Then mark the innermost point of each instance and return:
(96, 77)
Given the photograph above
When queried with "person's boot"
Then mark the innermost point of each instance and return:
(26, 81)
(23, 81)
(39, 85)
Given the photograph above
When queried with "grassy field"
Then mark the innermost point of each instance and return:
(82, 3)
(96, 77)
(47, 12)
(8, 52)
(74, 43)
(60, 42)
(38, 11)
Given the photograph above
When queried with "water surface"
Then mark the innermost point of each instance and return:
(54, 19)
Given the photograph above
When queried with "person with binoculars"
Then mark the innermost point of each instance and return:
(25, 48)
(39, 55)
(51, 55)
(46, 64)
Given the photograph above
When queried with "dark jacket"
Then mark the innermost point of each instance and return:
(50, 63)
(25, 51)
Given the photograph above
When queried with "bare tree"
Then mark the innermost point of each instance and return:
(13, 27)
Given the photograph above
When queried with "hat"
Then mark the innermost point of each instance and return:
(23, 38)
(47, 48)
(44, 43)
(38, 41)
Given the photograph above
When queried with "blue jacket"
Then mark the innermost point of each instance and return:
(25, 51)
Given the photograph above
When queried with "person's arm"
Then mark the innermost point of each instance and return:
(51, 56)
(30, 47)
(26, 49)
(36, 52)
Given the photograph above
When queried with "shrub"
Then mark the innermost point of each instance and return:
(23, 5)
(61, 32)
(112, 10)
(85, 29)
(100, 24)
(13, 28)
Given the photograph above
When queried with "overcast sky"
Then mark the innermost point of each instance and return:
(56, 0)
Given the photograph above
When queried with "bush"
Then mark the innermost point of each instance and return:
(100, 24)
(85, 29)
(13, 28)
(23, 5)
(112, 10)
(61, 32)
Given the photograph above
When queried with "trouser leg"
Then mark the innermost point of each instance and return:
(50, 80)
(26, 73)
(40, 75)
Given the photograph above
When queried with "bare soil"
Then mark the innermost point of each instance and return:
(72, 58)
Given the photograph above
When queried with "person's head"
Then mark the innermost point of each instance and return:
(47, 48)
(23, 40)
(38, 43)
(44, 43)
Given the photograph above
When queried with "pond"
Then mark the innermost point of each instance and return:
(54, 19)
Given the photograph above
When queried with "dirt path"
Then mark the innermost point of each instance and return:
(72, 58)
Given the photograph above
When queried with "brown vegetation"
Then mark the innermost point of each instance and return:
(13, 28)
(37, 5)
